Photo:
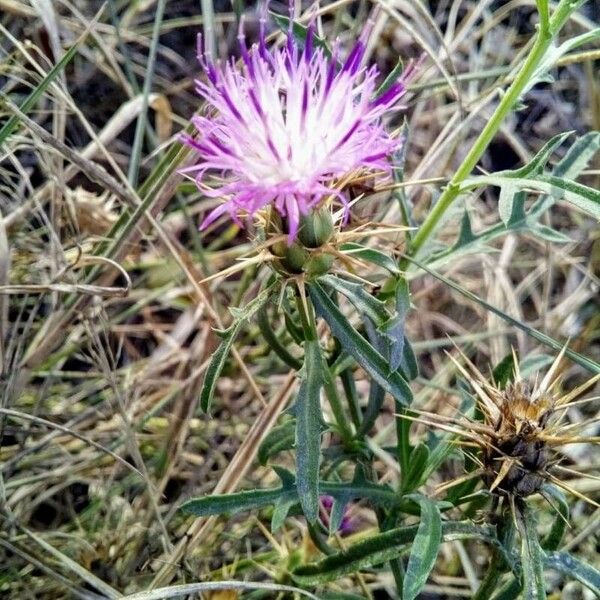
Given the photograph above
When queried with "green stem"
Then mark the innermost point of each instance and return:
(351, 394)
(309, 325)
(336, 405)
(543, 40)
(273, 341)
(498, 564)
(307, 319)
(403, 444)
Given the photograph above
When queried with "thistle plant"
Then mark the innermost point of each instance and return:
(319, 343)
(284, 134)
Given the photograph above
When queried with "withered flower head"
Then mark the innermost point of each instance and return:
(521, 429)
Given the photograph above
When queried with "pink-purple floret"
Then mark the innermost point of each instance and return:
(283, 126)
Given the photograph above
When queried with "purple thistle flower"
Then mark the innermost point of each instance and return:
(283, 126)
(348, 523)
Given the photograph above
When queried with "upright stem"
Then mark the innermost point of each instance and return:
(498, 566)
(547, 31)
(309, 326)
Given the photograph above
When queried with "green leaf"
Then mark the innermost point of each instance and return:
(388, 329)
(248, 500)
(307, 410)
(300, 32)
(568, 565)
(532, 557)
(356, 345)
(504, 371)
(373, 409)
(559, 503)
(424, 549)
(465, 234)
(286, 495)
(281, 510)
(228, 336)
(585, 198)
(578, 156)
(576, 159)
(537, 164)
(418, 462)
(382, 548)
(550, 235)
(365, 303)
(280, 438)
(371, 255)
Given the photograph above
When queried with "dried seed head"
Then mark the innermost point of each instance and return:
(517, 456)
(521, 428)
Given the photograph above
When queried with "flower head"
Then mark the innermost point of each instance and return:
(282, 127)
(521, 429)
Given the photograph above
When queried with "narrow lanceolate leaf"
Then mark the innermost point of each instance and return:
(228, 337)
(358, 347)
(365, 303)
(580, 359)
(572, 568)
(376, 257)
(585, 198)
(532, 557)
(424, 549)
(559, 503)
(218, 504)
(287, 494)
(578, 156)
(384, 547)
(308, 430)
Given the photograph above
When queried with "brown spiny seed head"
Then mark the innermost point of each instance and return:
(520, 430)
(516, 455)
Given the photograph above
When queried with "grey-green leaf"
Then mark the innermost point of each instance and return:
(308, 430)
(356, 345)
(532, 557)
(383, 547)
(424, 549)
(228, 337)
(568, 565)
(371, 255)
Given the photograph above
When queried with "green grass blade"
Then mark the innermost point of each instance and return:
(36, 94)
(140, 128)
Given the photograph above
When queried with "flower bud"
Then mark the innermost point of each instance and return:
(316, 228)
(306, 254)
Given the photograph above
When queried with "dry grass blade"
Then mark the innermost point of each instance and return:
(72, 566)
(27, 417)
(193, 588)
(92, 170)
(112, 303)
(4, 274)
